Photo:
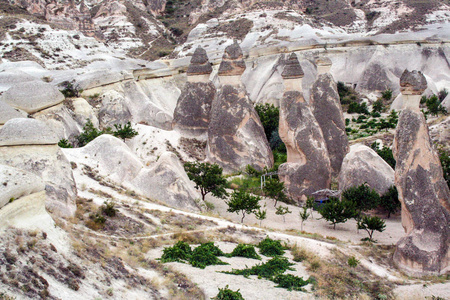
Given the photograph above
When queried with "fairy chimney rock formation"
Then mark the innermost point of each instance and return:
(423, 191)
(232, 66)
(191, 115)
(323, 64)
(292, 74)
(308, 166)
(327, 110)
(236, 136)
(200, 67)
(412, 85)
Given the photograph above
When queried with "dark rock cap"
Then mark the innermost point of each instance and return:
(232, 61)
(199, 63)
(292, 69)
(413, 82)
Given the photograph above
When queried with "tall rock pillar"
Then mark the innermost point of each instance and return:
(423, 192)
(327, 110)
(191, 115)
(308, 166)
(236, 136)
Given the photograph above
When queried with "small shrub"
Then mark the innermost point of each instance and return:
(70, 90)
(371, 224)
(89, 133)
(389, 201)
(227, 294)
(299, 253)
(181, 251)
(269, 247)
(244, 250)
(63, 143)
(290, 282)
(108, 209)
(275, 266)
(124, 131)
(387, 95)
(353, 262)
(206, 255)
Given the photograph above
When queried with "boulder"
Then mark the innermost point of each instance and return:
(165, 181)
(8, 113)
(308, 166)
(24, 131)
(16, 183)
(12, 77)
(423, 191)
(328, 112)
(32, 96)
(363, 165)
(192, 114)
(236, 136)
(113, 110)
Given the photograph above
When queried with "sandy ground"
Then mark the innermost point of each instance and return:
(345, 232)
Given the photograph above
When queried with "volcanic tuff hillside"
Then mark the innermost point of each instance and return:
(130, 61)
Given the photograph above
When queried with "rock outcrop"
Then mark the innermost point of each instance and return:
(308, 166)
(165, 181)
(423, 192)
(16, 183)
(32, 96)
(8, 113)
(363, 165)
(191, 115)
(30, 145)
(327, 110)
(113, 110)
(236, 136)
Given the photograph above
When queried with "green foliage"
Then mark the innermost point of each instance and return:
(181, 251)
(290, 282)
(89, 133)
(280, 157)
(269, 247)
(282, 211)
(206, 255)
(269, 116)
(434, 106)
(363, 197)
(252, 172)
(336, 211)
(444, 157)
(353, 262)
(244, 250)
(378, 106)
(276, 266)
(387, 95)
(371, 224)
(70, 90)
(274, 189)
(360, 108)
(208, 178)
(385, 153)
(241, 201)
(389, 201)
(63, 143)
(108, 209)
(442, 94)
(125, 131)
(344, 92)
(260, 215)
(227, 294)
(304, 215)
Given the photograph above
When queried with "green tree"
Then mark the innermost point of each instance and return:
(269, 116)
(63, 143)
(89, 133)
(371, 224)
(389, 201)
(125, 131)
(310, 203)
(241, 201)
(274, 189)
(208, 178)
(363, 197)
(434, 106)
(444, 157)
(385, 153)
(282, 211)
(378, 106)
(261, 214)
(387, 94)
(336, 211)
(304, 215)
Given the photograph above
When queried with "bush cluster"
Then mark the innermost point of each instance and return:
(269, 247)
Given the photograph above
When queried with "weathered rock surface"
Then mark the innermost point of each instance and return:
(100, 78)
(446, 103)
(327, 110)
(200, 64)
(235, 134)
(308, 165)
(12, 77)
(440, 133)
(363, 165)
(232, 61)
(165, 181)
(8, 113)
(16, 183)
(192, 114)
(24, 131)
(114, 109)
(32, 96)
(423, 191)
